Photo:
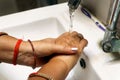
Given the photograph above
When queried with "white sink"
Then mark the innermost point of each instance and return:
(45, 28)
(49, 27)
(83, 73)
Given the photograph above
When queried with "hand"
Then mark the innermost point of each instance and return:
(47, 47)
(65, 62)
(44, 49)
(70, 40)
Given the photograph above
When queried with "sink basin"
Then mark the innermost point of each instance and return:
(41, 29)
(83, 71)
(49, 27)
(36, 30)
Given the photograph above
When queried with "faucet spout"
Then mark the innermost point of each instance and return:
(73, 4)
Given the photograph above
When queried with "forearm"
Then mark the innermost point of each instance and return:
(7, 57)
(7, 45)
(56, 69)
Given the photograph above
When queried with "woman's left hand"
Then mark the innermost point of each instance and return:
(44, 49)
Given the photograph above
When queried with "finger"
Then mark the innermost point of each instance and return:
(83, 43)
(80, 36)
(74, 33)
(63, 49)
(77, 35)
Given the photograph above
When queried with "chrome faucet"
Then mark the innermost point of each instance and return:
(111, 42)
(73, 4)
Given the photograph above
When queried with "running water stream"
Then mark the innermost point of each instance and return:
(71, 13)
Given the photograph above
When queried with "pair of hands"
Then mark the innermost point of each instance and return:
(59, 48)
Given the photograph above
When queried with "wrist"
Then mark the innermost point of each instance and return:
(25, 47)
(61, 63)
(56, 69)
(25, 56)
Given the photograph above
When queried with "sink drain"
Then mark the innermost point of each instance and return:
(82, 63)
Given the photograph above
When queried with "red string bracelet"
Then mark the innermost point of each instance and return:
(34, 65)
(16, 51)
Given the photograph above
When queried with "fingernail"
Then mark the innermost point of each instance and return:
(74, 49)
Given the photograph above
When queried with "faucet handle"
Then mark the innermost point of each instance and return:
(73, 4)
